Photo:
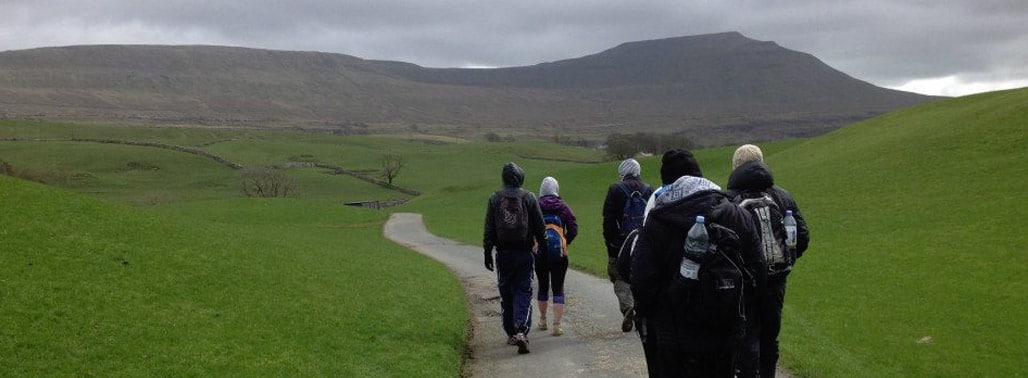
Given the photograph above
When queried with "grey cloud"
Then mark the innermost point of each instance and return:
(885, 42)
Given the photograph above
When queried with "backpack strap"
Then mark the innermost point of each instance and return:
(625, 189)
(771, 192)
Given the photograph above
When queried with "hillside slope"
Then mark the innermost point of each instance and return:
(712, 87)
(917, 263)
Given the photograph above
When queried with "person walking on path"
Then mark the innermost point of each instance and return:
(686, 336)
(621, 215)
(551, 269)
(751, 178)
(513, 225)
(587, 348)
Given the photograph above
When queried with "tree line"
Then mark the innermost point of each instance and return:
(621, 146)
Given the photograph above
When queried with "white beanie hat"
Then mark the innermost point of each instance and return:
(746, 153)
(549, 186)
(629, 168)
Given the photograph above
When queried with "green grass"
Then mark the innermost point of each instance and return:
(917, 260)
(120, 172)
(916, 263)
(240, 287)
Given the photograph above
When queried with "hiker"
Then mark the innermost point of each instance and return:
(622, 213)
(513, 225)
(693, 324)
(752, 179)
(551, 264)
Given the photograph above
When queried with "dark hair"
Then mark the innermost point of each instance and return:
(677, 163)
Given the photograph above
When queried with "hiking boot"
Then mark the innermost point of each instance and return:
(557, 331)
(626, 324)
(542, 324)
(522, 343)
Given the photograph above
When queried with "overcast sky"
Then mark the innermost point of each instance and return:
(943, 47)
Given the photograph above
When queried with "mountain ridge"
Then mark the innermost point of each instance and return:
(716, 88)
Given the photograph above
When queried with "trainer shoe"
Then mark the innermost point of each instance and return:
(512, 340)
(542, 324)
(626, 324)
(522, 343)
(557, 331)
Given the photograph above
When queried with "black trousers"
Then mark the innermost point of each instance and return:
(551, 274)
(664, 359)
(758, 356)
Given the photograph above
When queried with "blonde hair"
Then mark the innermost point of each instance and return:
(746, 153)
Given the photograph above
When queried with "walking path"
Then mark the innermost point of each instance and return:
(592, 345)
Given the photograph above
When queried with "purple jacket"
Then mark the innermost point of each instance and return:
(552, 204)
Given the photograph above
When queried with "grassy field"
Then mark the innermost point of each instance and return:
(216, 288)
(201, 281)
(917, 265)
(915, 269)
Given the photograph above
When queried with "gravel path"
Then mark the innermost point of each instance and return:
(592, 345)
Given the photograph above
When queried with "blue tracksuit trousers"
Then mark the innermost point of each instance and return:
(514, 272)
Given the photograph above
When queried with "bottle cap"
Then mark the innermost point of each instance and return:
(788, 212)
(699, 219)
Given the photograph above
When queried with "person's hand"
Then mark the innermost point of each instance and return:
(489, 260)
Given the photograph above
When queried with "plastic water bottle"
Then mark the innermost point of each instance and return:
(790, 230)
(696, 243)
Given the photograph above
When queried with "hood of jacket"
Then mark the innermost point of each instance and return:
(751, 176)
(681, 201)
(513, 176)
(550, 202)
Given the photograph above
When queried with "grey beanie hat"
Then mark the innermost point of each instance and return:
(549, 186)
(629, 168)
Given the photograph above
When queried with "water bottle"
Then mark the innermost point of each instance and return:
(790, 230)
(696, 243)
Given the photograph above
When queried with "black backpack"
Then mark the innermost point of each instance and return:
(634, 211)
(768, 217)
(713, 311)
(511, 218)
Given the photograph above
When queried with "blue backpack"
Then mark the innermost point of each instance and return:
(634, 212)
(556, 242)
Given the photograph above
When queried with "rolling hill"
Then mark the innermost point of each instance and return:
(916, 266)
(917, 262)
(714, 88)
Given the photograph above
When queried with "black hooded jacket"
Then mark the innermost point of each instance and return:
(613, 210)
(658, 253)
(513, 178)
(755, 177)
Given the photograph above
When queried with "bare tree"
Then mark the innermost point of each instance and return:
(391, 165)
(6, 169)
(267, 182)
